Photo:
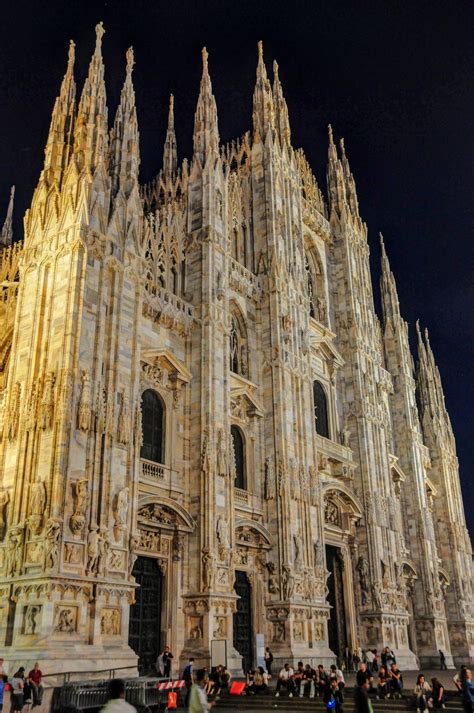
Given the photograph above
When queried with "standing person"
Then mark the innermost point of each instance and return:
(355, 660)
(336, 673)
(363, 675)
(166, 657)
(442, 660)
(35, 677)
(369, 657)
(17, 691)
(188, 679)
(375, 664)
(198, 702)
(438, 693)
(285, 679)
(323, 682)
(467, 689)
(422, 693)
(349, 660)
(117, 702)
(362, 701)
(268, 657)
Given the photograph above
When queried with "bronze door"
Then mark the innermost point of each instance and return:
(243, 620)
(337, 623)
(145, 615)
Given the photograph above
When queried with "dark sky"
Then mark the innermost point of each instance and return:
(393, 77)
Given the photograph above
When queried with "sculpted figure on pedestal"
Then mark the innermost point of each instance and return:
(52, 535)
(84, 411)
(78, 519)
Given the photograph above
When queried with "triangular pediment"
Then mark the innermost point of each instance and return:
(244, 401)
(164, 359)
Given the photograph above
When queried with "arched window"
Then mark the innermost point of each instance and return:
(153, 427)
(239, 455)
(321, 419)
(238, 348)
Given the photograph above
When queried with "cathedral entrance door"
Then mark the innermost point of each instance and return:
(337, 623)
(145, 615)
(243, 620)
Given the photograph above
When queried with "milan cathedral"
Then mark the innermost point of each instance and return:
(206, 432)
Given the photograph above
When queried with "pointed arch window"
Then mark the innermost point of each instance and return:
(321, 419)
(153, 427)
(239, 455)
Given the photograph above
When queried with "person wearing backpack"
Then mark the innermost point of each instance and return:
(268, 658)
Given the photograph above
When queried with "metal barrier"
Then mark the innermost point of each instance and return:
(81, 696)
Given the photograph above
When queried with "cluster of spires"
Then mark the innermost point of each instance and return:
(79, 140)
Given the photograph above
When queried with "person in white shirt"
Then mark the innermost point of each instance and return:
(198, 702)
(338, 675)
(117, 702)
(285, 679)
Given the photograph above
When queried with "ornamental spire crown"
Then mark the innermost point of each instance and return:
(91, 133)
(281, 109)
(263, 106)
(6, 235)
(60, 137)
(206, 132)
(125, 153)
(170, 151)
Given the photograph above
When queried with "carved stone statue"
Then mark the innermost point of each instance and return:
(52, 535)
(121, 511)
(288, 582)
(104, 549)
(318, 554)
(363, 569)
(13, 417)
(14, 555)
(132, 548)
(209, 568)
(78, 519)
(66, 622)
(31, 612)
(4, 500)
(84, 411)
(123, 421)
(37, 506)
(47, 404)
(222, 463)
(272, 578)
(222, 530)
(377, 595)
(92, 550)
(270, 485)
(298, 552)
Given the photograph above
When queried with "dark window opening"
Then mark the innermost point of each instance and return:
(153, 427)
(320, 410)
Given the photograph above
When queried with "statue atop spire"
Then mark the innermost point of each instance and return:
(124, 150)
(170, 151)
(91, 132)
(263, 106)
(6, 236)
(206, 132)
(281, 109)
(59, 143)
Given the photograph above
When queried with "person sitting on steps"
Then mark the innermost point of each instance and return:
(285, 679)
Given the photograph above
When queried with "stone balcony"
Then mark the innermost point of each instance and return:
(155, 473)
(334, 458)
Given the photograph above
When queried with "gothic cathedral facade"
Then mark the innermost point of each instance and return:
(206, 431)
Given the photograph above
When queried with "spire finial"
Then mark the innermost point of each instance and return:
(205, 58)
(130, 60)
(6, 234)
(275, 69)
(99, 33)
(171, 113)
(343, 147)
(331, 139)
(260, 50)
(382, 244)
(71, 55)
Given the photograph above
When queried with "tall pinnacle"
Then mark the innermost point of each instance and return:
(59, 143)
(125, 153)
(91, 134)
(206, 132)
(335, 176)
(263, 107)
(281, 109)
(170, 151)
(388, 289)
(6, 236)
(351, 191)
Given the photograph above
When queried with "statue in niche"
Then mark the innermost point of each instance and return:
(104, 550)
(270, 485)
(121, 511)
(222, 530)
(78, 519)
(272, 578)
(37, 506)
(318, 554)
(31, 612)
(298, 552)
(47, 405)
(123, 421)
(222, 464)
(52, 535)
(66, 622)
(85, 404)
(4, 500)
(209, 568)
(92, 550)
(14, 551)
(288, 582)
(363, 569)
(132, 549)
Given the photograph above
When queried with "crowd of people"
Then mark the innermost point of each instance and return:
(24, 688)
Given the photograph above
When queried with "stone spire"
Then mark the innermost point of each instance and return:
(281, 109)
(335, 176)
(125, 153)
(351, 192)
(263, 106)
(388, 289)
(170, 151)
(59, 143)
(206, 132)
(91, 133)
(6, 236)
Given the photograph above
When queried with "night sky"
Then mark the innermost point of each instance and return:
(393, 77)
